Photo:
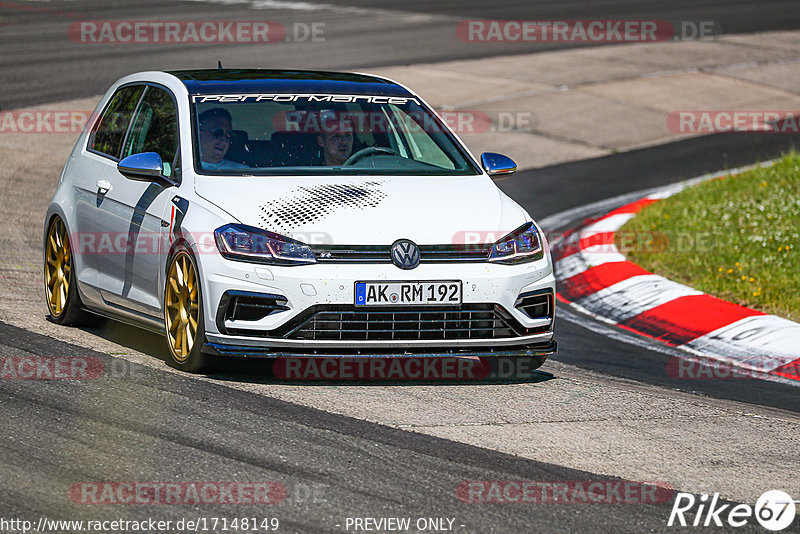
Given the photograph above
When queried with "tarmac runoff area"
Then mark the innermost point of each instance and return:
(587, 103)
(576, 104)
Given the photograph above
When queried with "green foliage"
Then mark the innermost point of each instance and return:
(736, 238)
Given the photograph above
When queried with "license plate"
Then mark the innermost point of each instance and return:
(436, 293)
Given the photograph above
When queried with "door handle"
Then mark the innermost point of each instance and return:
(103, 187)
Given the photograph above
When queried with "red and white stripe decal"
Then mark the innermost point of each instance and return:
(594, 276)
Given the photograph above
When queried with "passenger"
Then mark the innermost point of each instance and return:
(216, 135)
(335, 139)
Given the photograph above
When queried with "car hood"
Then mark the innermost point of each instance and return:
(373, 210)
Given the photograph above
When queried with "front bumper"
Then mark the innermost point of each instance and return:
(332, 285)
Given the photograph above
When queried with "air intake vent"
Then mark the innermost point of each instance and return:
(536, 305)
(244, 306)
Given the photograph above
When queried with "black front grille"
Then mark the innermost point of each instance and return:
(347, 323)
(382, 253)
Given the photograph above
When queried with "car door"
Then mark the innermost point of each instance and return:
(87, 172)
(133, 212)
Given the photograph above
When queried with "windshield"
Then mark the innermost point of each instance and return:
(313, 133)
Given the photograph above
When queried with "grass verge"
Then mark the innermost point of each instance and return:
(736, 238)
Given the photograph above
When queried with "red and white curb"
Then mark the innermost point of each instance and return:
(595, 278)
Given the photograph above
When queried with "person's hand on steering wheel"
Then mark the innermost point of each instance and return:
(368, 152)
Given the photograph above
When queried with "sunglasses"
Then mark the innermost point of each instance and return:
(219, 133)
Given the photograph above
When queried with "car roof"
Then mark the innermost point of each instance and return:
(221, 81)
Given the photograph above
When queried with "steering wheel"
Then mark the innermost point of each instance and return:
(367, 152)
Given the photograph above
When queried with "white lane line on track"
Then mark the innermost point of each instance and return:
(311, 7)
(273, 4)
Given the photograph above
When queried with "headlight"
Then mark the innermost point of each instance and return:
(520, 246)
(245, 243)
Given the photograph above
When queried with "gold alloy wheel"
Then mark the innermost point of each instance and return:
(181, 307)
(57, 267)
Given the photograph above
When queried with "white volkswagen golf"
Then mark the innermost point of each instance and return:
(284, 213)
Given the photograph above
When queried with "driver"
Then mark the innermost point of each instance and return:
(216, 135)
(335, 138)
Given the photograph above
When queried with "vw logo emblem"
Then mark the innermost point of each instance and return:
(405, 254)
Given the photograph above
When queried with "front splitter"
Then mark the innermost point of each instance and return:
(530, 351)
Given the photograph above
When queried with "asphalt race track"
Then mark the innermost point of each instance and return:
(359, 466)
(345, 450)
(34, 48)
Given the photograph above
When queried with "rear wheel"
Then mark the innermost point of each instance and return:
(61, 287)
(183, 315)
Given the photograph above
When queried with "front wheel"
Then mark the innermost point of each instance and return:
(183, 315)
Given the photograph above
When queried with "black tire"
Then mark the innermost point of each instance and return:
(184, 344)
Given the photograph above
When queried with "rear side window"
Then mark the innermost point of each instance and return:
(109, 132)
(155, 128)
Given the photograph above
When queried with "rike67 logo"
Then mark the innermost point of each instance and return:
(775, 510)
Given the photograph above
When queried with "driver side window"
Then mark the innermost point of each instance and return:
(155, 128)
(109, 131)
